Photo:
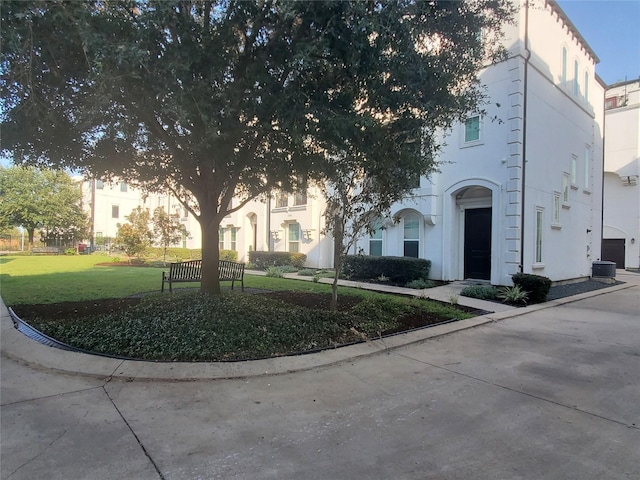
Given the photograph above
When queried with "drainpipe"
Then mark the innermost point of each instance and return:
(604, 144)
(93, 215)
(527, 56)
(268, 222)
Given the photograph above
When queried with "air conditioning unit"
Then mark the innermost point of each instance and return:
(603, 269)
(629, 180)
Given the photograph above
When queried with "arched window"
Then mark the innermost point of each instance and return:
(564, 65)
(586, 86)
(411, 235)
(576, 79)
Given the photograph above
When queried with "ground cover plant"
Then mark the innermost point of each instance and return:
(290, 315)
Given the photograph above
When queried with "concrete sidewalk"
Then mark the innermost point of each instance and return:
(549, 392)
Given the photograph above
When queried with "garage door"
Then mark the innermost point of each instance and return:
(613, 251)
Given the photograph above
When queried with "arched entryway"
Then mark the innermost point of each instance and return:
(474, 204)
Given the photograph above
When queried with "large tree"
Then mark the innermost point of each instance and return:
(43, 199)
(222, 98)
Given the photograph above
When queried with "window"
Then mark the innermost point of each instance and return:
(611, 102)
(375, 241)
(565, 188)
(587, 167)
(472, 129)
(115, 211)
(294, 237)
(282, 200)
(300, 198)
(586, 86)
(123, 186)
(411, 235)
(576, 79)
(574, 169)
(99, 185)
(234, 232)
(556, 208)
(221, 238)
(564, 65)
(539, 219)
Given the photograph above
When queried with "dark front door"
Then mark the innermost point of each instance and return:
(613, 251)
(477, 243)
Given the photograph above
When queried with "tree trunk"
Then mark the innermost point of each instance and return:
(31, 232)
(338, 237)
(210, 254)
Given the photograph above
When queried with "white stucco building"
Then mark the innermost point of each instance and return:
(520, 188)
(621, 229)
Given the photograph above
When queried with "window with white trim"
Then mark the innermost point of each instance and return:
(587, 167)
(375, 240)
(576, 79)
(556, 208)
(565, 189)
(294, 237)
(115, 211)
(123, 186)
(282, 200)
(586, 86)
(411, 235)
(221, 238)
(472, 129)
(234, 233)
(564, 65)
(99, 185)
(300, 198)
(539, 234)
(574, 169)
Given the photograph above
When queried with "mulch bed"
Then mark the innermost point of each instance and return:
(320, 301)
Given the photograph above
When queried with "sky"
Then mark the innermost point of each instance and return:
(611, 28)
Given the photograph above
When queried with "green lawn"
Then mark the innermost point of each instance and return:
(189, 326)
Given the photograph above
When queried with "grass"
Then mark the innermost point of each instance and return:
(190, 326)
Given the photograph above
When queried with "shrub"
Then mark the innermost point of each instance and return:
(481, 292)
(307, 272)
(264, 260)
(70, 251)
(514, 295)
(420, 283)
(536, 286)
(276, 272)
(399, 270)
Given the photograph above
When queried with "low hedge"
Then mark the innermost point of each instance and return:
(400, 270)
(264, 260)
(174, 252)
(187, 253)
(536, 286)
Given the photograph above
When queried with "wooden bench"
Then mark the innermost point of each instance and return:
(46, 250)
(191, 271)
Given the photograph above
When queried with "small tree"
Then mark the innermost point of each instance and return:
(358, 199)
(167, 229)
(134, 237)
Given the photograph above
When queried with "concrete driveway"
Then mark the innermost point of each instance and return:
(552, 393)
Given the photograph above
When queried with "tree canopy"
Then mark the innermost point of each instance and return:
(43, 199)
(221, 98)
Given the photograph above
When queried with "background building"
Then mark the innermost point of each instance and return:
(621, 230)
